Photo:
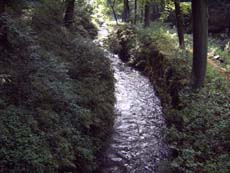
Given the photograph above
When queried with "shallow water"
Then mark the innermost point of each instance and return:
(136, 144)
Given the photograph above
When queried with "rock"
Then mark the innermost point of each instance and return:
(140, 65)
(67, 166)
(216, 57)
(227, 47)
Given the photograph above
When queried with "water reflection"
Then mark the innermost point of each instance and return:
(136, 145)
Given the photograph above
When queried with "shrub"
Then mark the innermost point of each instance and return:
(57, 98)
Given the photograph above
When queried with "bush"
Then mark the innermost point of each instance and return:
(57, 96)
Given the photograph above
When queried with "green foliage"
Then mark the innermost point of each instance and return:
(57, 95)
(186, 8)
(202, 141)
(216, 47)
(21, 145)
(103, 13)
(169, 8)
(121, 34)
(168, 15)
(160, 36)
(49, 14)
(198, 122)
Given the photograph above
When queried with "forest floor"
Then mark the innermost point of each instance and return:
(216, 55)
(216, 65)
(223, 72)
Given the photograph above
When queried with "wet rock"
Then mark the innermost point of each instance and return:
(216, 57)
(67, 166)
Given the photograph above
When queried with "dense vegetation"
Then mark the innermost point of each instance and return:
(198, 120)
(54, 113)
(198, 123)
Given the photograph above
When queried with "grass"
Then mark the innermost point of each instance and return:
(223, 51)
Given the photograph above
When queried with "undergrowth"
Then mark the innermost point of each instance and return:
(198, 121)
(220, 52)
(57, 95)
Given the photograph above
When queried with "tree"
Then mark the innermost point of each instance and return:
(126, 11)
(3, 31)
(179, 23)
(228, 19)
(2, 7)
(155, 8)
(114, 12)
(69, 14)
(135, 11)
(142, 14)
(147, 14)
(200, 41)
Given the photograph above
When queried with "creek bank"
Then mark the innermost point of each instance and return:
(57, 94)
(194, 118)
(153, 62)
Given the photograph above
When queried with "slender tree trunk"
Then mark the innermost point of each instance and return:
(147, 15)
(135, 12)
(228, 19)
(162, 5)
(155, 10)
(126, 11)
(69, 14)
(200, 41)
(114, 12)
(2, 7)
(3, 29)
(179, 23)
(142, 15)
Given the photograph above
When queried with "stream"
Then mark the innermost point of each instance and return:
(136, 144)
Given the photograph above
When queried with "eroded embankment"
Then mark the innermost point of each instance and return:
(194, 118)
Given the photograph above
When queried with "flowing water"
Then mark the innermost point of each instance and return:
(136, 144)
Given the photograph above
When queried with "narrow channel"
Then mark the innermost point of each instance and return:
(136, 144)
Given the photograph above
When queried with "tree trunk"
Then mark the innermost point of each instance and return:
(228, 19)
(179, 23)
(200, 41)
(162, 5)
(147, 15)
(114, 12)
(135, 12)
(126, 11)
(69, 14)
(3, 29)
(142, 15)
(2, 6)
(155, 10)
